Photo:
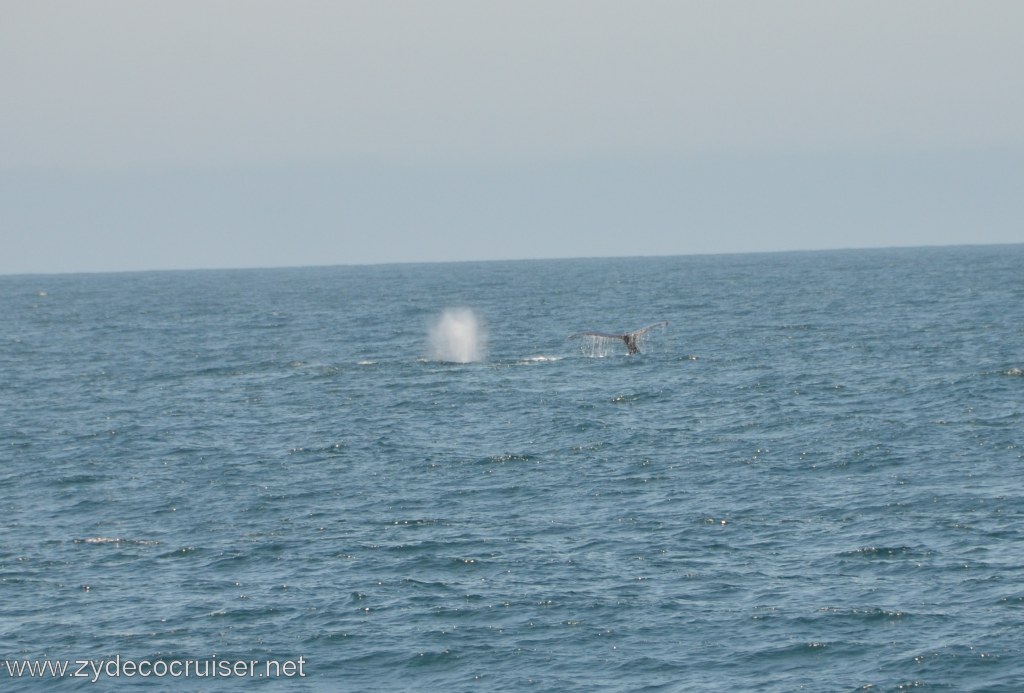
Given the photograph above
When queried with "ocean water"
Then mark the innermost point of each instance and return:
(812, 479)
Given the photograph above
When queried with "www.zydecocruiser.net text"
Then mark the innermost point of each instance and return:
(120, 667)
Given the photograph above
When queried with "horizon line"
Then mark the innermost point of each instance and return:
(386, 263)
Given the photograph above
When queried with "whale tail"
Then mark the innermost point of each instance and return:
(631, 339)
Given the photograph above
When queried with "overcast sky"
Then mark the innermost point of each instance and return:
(178, 134)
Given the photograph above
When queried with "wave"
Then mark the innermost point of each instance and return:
(540, 359)
(116, 541)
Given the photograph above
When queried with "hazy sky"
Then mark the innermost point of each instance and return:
(175, 134)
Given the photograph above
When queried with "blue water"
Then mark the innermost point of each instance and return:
(814, 477)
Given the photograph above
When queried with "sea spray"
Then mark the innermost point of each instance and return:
(593, 346)
(458, 337)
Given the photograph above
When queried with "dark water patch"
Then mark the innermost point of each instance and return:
(886, 553)
(188, 553)
(317, 451)
(507, 458)
(864, 615)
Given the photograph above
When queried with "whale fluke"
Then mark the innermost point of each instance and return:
(630, 338)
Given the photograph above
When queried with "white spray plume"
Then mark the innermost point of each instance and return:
(458, 337)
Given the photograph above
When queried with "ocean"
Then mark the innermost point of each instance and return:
(411, 478)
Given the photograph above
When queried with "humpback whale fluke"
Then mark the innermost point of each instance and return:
(630, 338)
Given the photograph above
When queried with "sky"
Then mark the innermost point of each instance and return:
(176, 134)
